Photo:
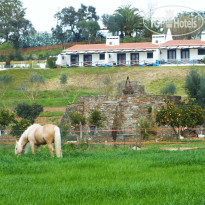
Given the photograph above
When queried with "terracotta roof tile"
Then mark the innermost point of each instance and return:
(90, 47)
(184, 43)
(143, 45)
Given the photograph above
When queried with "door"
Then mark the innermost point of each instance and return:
(134, 59)
(121, 59)
(74, 60)
(184, 54)
(171, 56)
(87, 60)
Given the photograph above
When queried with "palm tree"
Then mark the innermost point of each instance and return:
(129, 19)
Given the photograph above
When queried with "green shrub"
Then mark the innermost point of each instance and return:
(20, 126)
(77, 119)
(6, 117)
(96, 118)
(51, 62)
(29, 112)
(169, 89)
(37, 78)
(63, 78)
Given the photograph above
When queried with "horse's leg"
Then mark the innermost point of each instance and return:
(51, 149)
(39, 148)
(32, 147)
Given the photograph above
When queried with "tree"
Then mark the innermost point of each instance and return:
(12, 21)
(169, 89)
(89, 29)
(195, 87)
(70, 20)
(51, 62)
(59, 34)
(96, 118)
(31, 87)
(78, 121)
(125, 20)
(29, 112)
(178, 117)
(6, 117)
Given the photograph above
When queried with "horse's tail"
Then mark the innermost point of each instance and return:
(58, 142)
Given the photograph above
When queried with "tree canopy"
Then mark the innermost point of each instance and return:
(72, 22)
(13, 23)
(125, 20)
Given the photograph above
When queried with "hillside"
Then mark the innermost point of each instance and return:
(92, 81)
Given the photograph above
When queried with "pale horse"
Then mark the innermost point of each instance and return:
(40, 135)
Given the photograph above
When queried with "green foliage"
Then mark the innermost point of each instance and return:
(6, 46)
(125, 20)
(12, 21)
(195, 87)
(51, 62)
(6, 117)
(203, 61)
(63, 78)
(185, 115)
(169, 89)
(96, 118)
(149, 109)
(77, 119)
(70, 21)
(5, 79)
(20, 126)
(37, 78)
(192, 84)
(29, 112)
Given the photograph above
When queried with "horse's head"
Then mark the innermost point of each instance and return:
(19, 148)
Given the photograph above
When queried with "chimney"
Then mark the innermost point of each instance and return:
(158, 39)
(203, 36)
(169, 35)
(112, 40)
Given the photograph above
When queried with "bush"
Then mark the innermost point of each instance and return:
(169, 89)
(51, 62)
(6, 117)
(96, 118)
(29, 112)
(63, 78)
(77, 119)
(20, 126)
(37, 78)
(203, 61)
(5, 79)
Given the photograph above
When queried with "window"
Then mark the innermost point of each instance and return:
(150, 55)
(102, 56)
(201, 51)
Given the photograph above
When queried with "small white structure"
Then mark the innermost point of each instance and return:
(163, 50)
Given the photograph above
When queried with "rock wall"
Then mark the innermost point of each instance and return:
(127, 110)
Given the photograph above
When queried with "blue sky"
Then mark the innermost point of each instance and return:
(41, 12)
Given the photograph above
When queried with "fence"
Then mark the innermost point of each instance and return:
(130, 137)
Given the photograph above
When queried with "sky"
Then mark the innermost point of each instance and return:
(41, 12)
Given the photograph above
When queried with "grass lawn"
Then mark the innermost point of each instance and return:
(118, 176)
(90, 81)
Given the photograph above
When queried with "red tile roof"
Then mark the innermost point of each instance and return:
(127, 46)
(122, 46)
(184, 43)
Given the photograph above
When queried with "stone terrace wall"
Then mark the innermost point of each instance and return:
(127, 109)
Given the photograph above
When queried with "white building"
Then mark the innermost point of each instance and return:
(162, 50)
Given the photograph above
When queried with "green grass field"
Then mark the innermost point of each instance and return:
(90, 81)
(113, 176)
